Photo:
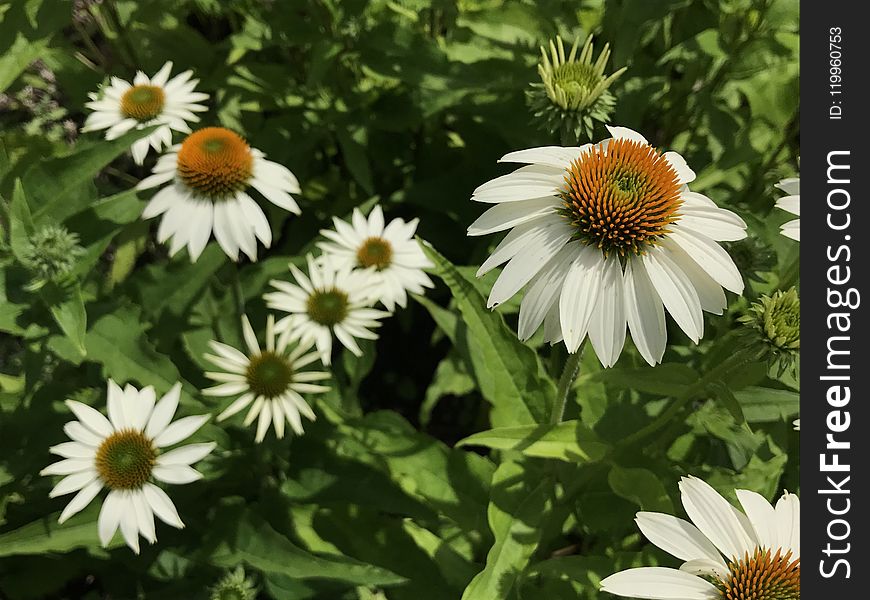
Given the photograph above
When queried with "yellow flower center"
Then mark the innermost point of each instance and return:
(621, 198)
(269, 374)
(125, 460)
(375, 252)
(215, 162)
(142, 102)
(763, 576)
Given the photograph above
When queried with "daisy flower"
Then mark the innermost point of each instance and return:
(728, 554)
(391, 252)
(605, 235)
(124, 453)
(272, 379)
(169, 103)
(208, 176)
(329, 300)
(791, 204)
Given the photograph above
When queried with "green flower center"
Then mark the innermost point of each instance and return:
(269, 374)
(327, 307)
(576, 80)
(125, 460)
(762, 576)
(621, 199)
(142, 102)
(375, 252)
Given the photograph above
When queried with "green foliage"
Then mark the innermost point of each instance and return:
(432, 471)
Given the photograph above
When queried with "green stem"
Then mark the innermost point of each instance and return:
(569, 375)
(735, 361)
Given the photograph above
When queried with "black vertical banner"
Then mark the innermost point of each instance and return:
(835, 259)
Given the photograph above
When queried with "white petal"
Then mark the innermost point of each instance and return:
(79, 433)
(526, 183)
(510, 214)
(709, 292)
(91, 418)
(256, 218)
(579, 295)
(110, 516)
(115, 402)
(161, 505)
(74, 482)
(129, 522)
(607, 324)
(180, 430)
(250, 336)
(710, 256)
(676, 292)
(553, 156)
(659, 583)
(200, 228)
(263, 421)
(788, 521)
(236, 406)
(792, 230)
(177, 474)
(186, 455)
(790, 185)
(678, 163)
(81, 500)
(74, 450)
(716, 518)
(762, 516)
(163, 412)
(618, 133)
(540, 248)
(644, 312)
(69, 466)
(677, 537)
(144, 516)
(544, 289)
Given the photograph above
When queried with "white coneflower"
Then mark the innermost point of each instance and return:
(791, 204)
(391, 252)
(272, 379)
(607, 234)
(124, 453)
(727, 554)
(209, 175)
(169, 103)
(329, 300)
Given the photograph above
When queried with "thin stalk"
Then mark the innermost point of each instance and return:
(238, 300)
(566, 381)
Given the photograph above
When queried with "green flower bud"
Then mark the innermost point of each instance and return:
(775, 324)
(234, 586)
(51, 253)
(573, 94)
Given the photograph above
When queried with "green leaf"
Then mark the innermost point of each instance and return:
(46, 535)
(509, 373)
(519, 503)
(20, 221)
(68, 309)
(172, 287)
(765, 405)
(666, 379)
(569, 441)
(118, 341)
(641, 486)
(256, 543)
(61, 187)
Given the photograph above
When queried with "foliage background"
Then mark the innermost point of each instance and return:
(407, 103)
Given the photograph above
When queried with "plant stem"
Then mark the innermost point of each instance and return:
(569, 375)
(735, 361)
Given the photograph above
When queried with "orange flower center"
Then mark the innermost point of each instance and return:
(763, 576)
(622, 198)
(142, 102)
(215, 162)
